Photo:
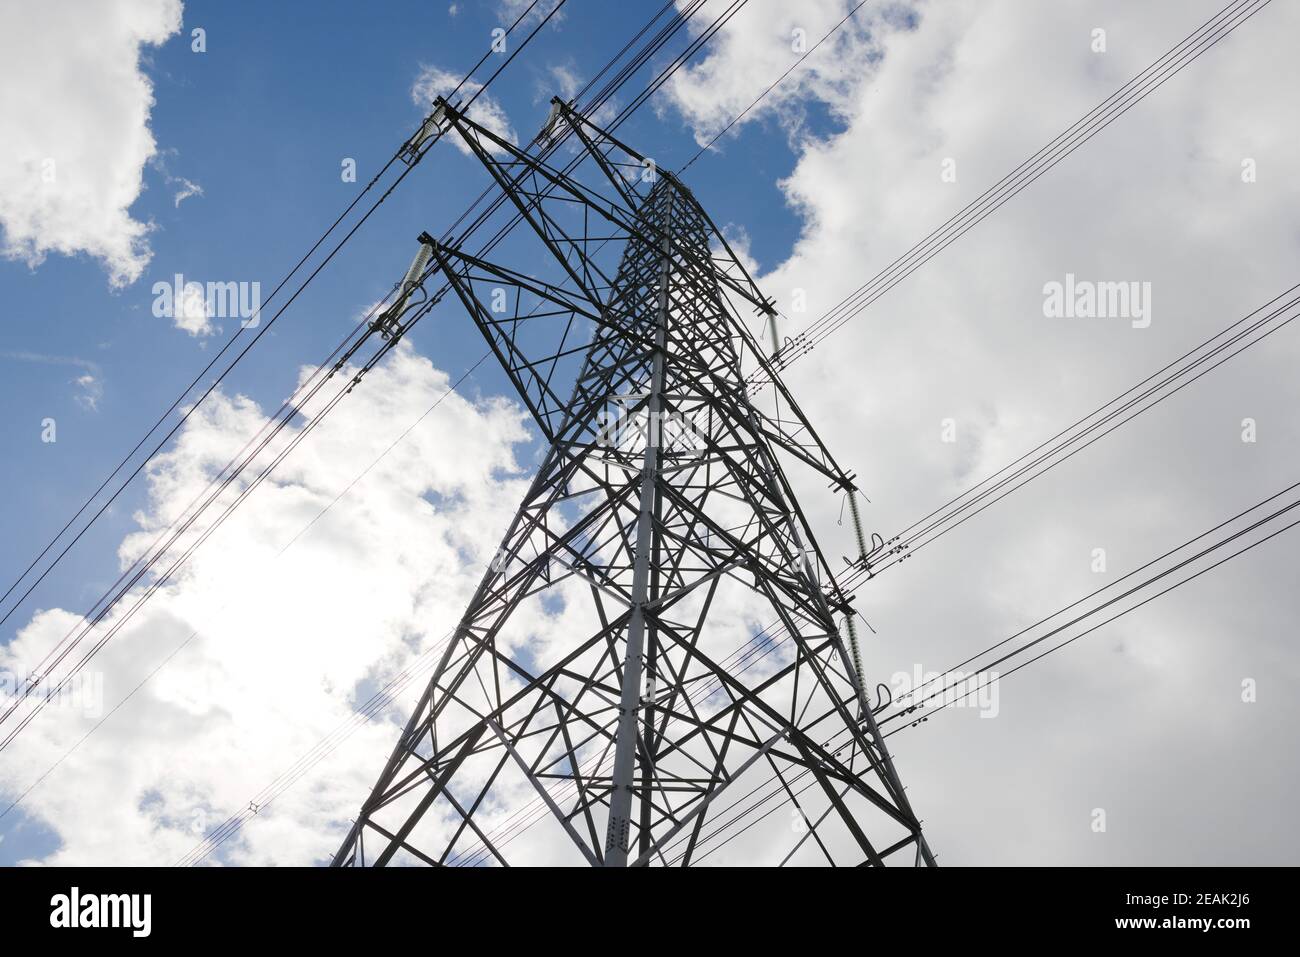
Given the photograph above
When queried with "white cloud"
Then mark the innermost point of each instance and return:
(766, 40)
(46, 359)
(89, 391)
(77, 139)
(1125, 718)
(192, 312)
(486, 111)
(510, 10)
(565, 81)
(187, 189)
(282, 643)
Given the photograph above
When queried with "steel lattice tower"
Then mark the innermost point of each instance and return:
(608, 696)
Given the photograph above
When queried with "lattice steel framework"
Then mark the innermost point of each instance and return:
(609, 696)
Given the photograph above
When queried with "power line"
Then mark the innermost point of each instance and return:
(1109, 110)
(1116, 105)
(677, 23)
(902, 714)
(228, 344)
(284, 548)
(1007, 656)
(288, 410)
(932, 528)
(1177, 584)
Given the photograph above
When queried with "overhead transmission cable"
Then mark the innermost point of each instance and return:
(261, 327)
(919, 695)
(275, 423)
(1145, 584)
(1222, 24)
(1168, 381)
(138, 571)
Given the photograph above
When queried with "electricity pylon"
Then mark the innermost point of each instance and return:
(610, 696)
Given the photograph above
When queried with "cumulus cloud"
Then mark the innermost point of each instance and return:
(193, 313)
(1121, 719)
(77, 140)
(764, 43)
(283, 645)
(487, 111)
